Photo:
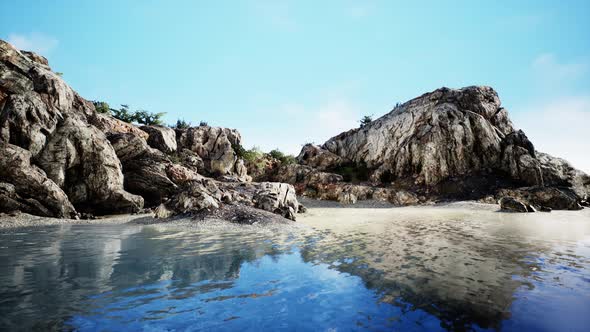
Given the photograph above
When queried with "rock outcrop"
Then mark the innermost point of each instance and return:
(446, 144)
(60, 158)
(161, 138)
(213, 145)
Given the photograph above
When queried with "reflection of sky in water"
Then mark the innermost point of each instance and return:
(454, 272)
(270, 294)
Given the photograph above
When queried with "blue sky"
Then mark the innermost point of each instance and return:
(289, 72)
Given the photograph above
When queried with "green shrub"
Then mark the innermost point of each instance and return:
(367, 119)
(148, 118)
(181, 124)
(140, 116)
(101, 107)
(203, 124)
(283, 158)
(253, 155)
(123, 114)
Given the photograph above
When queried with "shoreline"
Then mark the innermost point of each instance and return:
(24, 220)
(233, 215)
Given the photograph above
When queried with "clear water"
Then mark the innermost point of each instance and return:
(444, 273)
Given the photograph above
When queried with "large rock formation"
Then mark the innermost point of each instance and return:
(59, 157)
(43, 116)
(444, 144)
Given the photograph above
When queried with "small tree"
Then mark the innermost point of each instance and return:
(101, 107)
(140, 116)
(283, 158)
(203, 124)
(367, 119)
(148, 118)
(123, 114)
(181, 124)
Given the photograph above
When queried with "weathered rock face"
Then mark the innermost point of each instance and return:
(447, 142)
(58, 155)
(25, 187)
(109, 125)
(318, 158)
(41, 114)
(144, 168)
(79, 159)
(214, 145)
(161, 138)
(435, 136)
(511, 204)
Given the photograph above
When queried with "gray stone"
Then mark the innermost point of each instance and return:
(161, 138)
(510, 204)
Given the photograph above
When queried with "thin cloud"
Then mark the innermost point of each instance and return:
(554, 75)
(36, 42)
(559, 127)
(360, 10)
(303, 124)
(277, 13)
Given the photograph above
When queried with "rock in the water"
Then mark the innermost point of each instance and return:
(161, 138)
(512, 205)
(278, 198)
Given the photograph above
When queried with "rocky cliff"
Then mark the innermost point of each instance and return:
(446, 144)
(60, 158)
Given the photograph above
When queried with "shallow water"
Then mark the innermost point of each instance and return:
(411, 269)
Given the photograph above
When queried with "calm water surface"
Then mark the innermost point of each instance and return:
(342, 270)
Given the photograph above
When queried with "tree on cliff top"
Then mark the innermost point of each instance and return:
(366, 120)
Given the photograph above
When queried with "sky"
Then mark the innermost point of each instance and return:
(285, 73)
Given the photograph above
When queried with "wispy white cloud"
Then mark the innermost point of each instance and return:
(278, 13)
(554, 75)
(36, 42)
(559, 127)
(301, 124)
(360, 10)
(556, 119)
(519, 22)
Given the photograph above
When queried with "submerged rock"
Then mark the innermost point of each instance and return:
(512, 205)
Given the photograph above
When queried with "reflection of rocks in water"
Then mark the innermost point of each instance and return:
(147, 257)
(457, 270)
(62, 265)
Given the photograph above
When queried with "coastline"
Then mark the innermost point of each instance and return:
(316, 209)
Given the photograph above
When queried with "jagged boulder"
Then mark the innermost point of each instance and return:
(26, 187)
(79, 158)
(511, 204)
(145, 168)
(57, 152)
(542, 197)
(214, 145)
(161, 138)
(437, 135)
(316, 157)
(559, 172)
(110, 125)
(449, 143)
(278, 198)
